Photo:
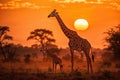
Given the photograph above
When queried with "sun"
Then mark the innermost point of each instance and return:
(81, 24)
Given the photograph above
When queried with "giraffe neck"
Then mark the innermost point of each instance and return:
(66, 30)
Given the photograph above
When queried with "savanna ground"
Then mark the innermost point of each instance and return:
(37, 69)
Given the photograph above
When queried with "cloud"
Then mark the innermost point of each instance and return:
(4, 1)
(86, 1)
(74, 1)
(16, 4)
(115, 5)
(69, 1)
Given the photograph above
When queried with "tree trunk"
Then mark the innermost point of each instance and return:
(3, 53)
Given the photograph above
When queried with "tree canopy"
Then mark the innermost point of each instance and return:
(43, 36)
(3, 34)
(113, 40)
(4, 37)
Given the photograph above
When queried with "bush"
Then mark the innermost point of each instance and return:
(117, 65)
(27, 58)
(107, 64)
(106, 75)
(66, 57)
(50, 69)
(41, 75)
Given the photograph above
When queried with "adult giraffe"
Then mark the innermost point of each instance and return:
(75, 41)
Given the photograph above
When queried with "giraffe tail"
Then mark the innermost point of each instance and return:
(92, 55)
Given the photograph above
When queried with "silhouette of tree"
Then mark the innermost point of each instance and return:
(4, 37)
(10, 50)
(27, 58)
(113, 40)
(44, 37)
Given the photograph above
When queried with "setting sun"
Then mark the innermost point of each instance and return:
(81, 24)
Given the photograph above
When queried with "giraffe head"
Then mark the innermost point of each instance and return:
(53, 13)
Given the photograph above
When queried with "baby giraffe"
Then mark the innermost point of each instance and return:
(55, 61)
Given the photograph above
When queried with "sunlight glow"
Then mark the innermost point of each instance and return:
(81, 24)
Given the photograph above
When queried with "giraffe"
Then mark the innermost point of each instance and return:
(75, 41)
(55, 60)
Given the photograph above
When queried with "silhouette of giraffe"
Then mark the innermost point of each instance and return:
(75, 41)
(56, 60)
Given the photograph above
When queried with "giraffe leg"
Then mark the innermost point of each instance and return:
(90, 61)
(87, 59)
(90, 64)
(53, 66)
(87, 64)
(72, 60)
(60, 67)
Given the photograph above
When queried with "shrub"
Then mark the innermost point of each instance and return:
(117, 65)
(66, 57)
(27, 58)
(50, 69)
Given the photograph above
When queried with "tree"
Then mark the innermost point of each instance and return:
(113, 40)
(10, 50)
(4, 37)
(44, 37)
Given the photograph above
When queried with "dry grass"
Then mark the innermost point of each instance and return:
(39, 70)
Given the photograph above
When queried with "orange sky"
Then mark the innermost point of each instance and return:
(23, 16)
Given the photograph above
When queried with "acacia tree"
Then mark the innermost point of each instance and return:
(44, 37)
(4, 37)
(113, 40)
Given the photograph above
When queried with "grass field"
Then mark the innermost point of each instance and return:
(40, 70)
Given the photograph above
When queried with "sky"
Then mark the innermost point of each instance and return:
(23, 16)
